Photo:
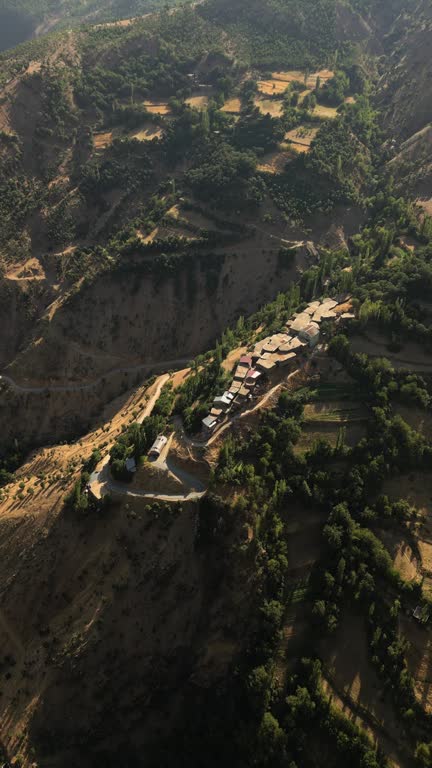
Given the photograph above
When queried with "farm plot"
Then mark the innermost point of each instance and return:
(419, 659)
(334, 421)
(146, 132)
(157, 107)
(302, 137)
(417, 418)
(416, 488)
(297, 75)
(102, 140)
(401, 551)
(412, 356)
(352, 678)
(325, 113)
(198, 102)
(272, 87)
(232, 106)
(274, 162)
(271, 107)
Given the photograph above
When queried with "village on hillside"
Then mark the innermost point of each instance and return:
(286, 349)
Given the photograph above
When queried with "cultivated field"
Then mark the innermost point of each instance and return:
(269, 106)
(419, 659)
(146, 132)
(297, 75)
(102, 140)
(302, 137)
(273, 162)
(404, 558)
(157, 108)
(269, 87)
(416, 488)
(232, 106)
(355, 687)
(198, 102)
(326, 113)
(332, 420)
(412, 356)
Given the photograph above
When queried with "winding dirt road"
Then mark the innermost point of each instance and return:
(101, 482)
(148, 367)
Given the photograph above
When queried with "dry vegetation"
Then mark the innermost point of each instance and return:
(355, 688)
(274, 162)
(269, 106)
(412, 356)
(232, 106)
(302, 137)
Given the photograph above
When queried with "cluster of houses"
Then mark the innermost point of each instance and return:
(282, 349)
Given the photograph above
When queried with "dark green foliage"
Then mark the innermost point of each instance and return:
(134, 443)
(227, 177)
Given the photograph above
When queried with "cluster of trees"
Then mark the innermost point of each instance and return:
(226, 176)
(273, 31)
(134, 443)
(79, 500)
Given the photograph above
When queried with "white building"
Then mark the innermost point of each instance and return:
(158, 446)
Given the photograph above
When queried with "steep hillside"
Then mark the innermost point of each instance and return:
(24, 19)
(246, 597)
(140, 214)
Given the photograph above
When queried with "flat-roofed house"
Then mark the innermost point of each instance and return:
(285, 359)
(252, 377)
(223, 402)
(300, 322)
(270, 346)
(312, 307)
(244, 393)
(266, 364)
(240, 372)
(295, 345)
(209, 424)
(310, 334)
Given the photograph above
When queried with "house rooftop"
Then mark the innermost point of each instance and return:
(209, 422)
(267, 365)
(216, 412)
(300, 322)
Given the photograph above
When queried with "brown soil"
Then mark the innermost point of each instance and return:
(404, 559)
(269, 87)
(417, 418)
(232, 106)
(411, 356)
(350, 673)
(115, 595)
(299, 75)
(233, 357)
(157, 108)
(302, 136)
(155, 480)
(102, 140)
(327, 113)
(147, 132)
(419, 658)
(274, 162)
(198, 102)
(269, 106)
